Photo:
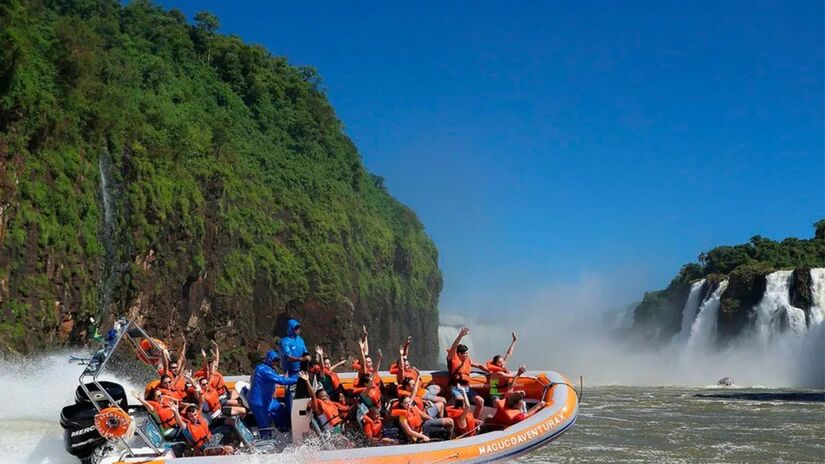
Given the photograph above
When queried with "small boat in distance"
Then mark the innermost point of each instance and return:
(102, 427)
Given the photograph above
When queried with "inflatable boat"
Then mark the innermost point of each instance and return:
(141, 441)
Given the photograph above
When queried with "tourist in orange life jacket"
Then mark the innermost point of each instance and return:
(168, 387)
(458, 367)
(163, 408)
(209, 369)
(175, 368)
(418, 425)
(466, 424)
(500, 376)
(434, 409)
(211, 399)
(511, 408)
(195, 428)
(324, 372)
(330, 414)
(368, 389)
(374, 427)
(402, 368)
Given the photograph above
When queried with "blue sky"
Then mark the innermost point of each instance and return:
(545, 143)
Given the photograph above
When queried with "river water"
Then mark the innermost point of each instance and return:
(616, 423)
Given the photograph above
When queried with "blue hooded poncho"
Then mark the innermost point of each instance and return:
(264, 381)
(292, 345)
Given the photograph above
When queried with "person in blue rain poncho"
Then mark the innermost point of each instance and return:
(294, 353)
(265, 407)
(293, 349)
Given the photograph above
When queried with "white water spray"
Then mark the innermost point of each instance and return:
(703, 330)
(691, 309)
(818, 291)
(775, 307)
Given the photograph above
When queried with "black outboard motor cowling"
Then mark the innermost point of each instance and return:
(114, 390)
(80, 436)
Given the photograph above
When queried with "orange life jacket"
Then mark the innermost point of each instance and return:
(199, 435)
(174, 393)
(164, 413)
(470, 427)
(373, 428)
(494, 369)
(459, 370)
(212, 399)
(413, 417)
(331, 412)
(215, 381)
(506, 416)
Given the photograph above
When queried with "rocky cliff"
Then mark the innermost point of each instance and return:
(155, 168)
(745, 270)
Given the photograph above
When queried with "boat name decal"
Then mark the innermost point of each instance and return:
(522, 437)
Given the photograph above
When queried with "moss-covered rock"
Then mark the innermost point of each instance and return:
(746, 285)
(236, 197)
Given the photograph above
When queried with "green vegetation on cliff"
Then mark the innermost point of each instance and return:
(236, 196)
(745, 266)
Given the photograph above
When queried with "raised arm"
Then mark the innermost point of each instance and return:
(145, 403)
(165, 357)
(198, 391)
(338, 364)
(178, 419)
(205, 364)
(510, 348)
(461, 334)
(399, 373)
(362, 356)
(182, 357)
(365, 339)
(521, 370)
(377, 366)
(217, 359)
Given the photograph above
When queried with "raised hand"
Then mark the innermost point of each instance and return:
(521, 370)
(203, 353)
(464, 331)
(319, 351)
(514, 337)
(303, 375)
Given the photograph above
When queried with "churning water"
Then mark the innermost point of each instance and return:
(616, 423)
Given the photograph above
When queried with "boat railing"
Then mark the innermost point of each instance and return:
(129, 330)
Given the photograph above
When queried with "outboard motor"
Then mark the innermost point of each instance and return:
(80, 436)
(114, 390)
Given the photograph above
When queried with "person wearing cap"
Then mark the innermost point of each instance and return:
(458, 366)
(263, 382)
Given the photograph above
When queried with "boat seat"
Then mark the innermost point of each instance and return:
(301, 420)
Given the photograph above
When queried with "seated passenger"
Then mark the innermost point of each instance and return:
(366, 387)
(500, 376)
(209, 370)
(374, 427)
(466, 424)
(511, 409)
(323, 371)
(263, 382)
(174, 369)
(196, 431)
(458, 367)
(330, 414)
(402, 368)
(163, 409)
(168, 387)
(418, 425)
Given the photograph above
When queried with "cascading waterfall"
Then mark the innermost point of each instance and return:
(108, 232)
(703, 330)
(817, 313)
(774, 311)
(691, 309)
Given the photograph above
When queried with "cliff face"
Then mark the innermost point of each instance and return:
(659, 316)
(158, 169)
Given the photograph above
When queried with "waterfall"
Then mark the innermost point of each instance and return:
(703, 329)
(775, 312)
(108, 232)
(818, 292)
(691, 309)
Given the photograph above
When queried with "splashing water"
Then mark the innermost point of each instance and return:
(691, 309)
(775, 306)
(703, 330)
